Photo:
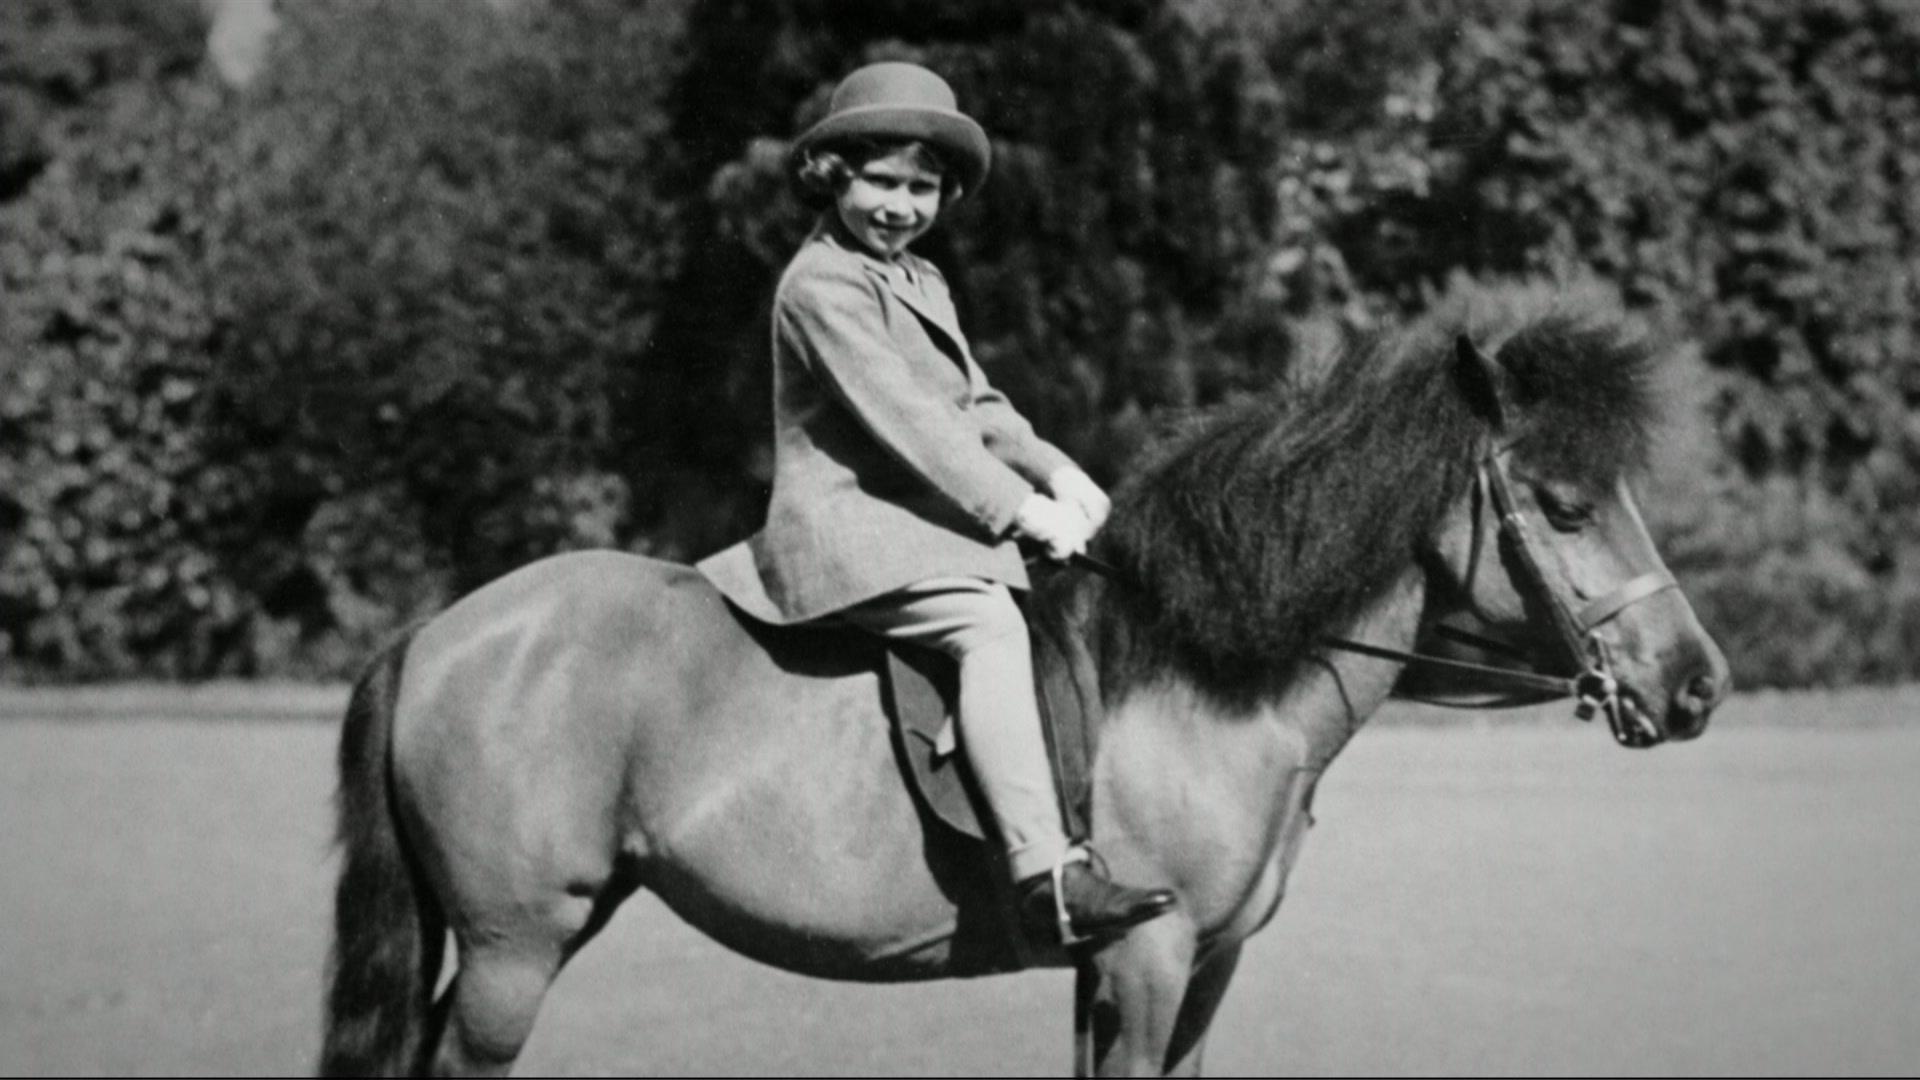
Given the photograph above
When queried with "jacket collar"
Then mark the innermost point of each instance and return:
(832, 230)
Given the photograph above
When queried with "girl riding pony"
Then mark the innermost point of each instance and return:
(902, 480)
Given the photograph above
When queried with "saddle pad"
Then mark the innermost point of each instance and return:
(923, 684)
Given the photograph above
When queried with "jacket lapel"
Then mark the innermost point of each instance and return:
(939, 316)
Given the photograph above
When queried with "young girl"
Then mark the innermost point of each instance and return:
(902, 480)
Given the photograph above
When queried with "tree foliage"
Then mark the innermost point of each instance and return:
(111, 508)
(455, 286)
(1750, 171)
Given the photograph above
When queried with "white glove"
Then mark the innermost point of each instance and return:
(1076, 488)
(1059, 527)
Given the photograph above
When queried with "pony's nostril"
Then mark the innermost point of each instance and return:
(1702, 692)
(1692, 704)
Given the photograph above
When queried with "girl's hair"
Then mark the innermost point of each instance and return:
(821, 173)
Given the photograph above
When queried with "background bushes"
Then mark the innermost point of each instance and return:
(454, 286)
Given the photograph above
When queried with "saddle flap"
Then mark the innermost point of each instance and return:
(919, 685)
(922, 686)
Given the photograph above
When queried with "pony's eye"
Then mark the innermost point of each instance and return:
(1565, 510)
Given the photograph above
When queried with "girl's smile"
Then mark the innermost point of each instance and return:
(889, 203)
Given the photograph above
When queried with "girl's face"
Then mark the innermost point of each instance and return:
(889, 202)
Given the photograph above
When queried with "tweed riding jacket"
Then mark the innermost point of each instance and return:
(894, 460)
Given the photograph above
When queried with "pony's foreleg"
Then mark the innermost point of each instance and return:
(1129, 1000)
(1205, 990)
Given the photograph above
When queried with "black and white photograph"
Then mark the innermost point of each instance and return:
(959, 538)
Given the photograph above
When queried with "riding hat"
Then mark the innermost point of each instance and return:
(900, 100)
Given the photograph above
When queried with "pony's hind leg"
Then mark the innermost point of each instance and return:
(505, 968)
(489, 1008)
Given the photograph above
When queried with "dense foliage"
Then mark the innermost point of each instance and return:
(454, 286)
(1751, 171)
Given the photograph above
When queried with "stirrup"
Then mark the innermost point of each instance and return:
(1062, 921)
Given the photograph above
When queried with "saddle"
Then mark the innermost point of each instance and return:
(921, 686)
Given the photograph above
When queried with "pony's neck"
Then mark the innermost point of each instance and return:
(1327, 699)
(1337, 692)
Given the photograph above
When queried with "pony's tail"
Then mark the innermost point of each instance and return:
(388, 931)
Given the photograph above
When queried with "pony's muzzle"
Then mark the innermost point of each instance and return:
(1697, 693)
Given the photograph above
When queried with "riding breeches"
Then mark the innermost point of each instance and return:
(977, 623)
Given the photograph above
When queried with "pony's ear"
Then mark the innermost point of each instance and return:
(1480, 380)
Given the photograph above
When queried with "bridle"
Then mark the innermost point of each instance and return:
(1593, 687)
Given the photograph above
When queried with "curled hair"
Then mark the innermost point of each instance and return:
(821, 173)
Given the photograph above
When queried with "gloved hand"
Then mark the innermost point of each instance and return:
(1059, 527)
(1076, 488)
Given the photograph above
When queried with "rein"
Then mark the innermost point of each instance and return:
(1594, 688)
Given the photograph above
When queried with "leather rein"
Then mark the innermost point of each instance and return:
(1593, 688)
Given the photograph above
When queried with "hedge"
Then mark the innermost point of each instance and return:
(455, 286)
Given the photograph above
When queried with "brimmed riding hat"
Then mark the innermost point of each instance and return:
(899, 100)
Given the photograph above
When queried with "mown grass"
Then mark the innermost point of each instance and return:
(1865, 707)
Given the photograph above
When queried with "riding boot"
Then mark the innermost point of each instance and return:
(1079, 901)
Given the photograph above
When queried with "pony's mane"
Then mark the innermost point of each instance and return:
(1261, 526)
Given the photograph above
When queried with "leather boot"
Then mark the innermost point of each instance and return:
(1088, 904)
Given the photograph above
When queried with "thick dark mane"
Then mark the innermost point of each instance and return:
(1264, 525)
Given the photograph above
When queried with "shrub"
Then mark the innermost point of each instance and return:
(113, 511)
(455, 286)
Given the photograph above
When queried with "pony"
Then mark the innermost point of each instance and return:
(598, 723)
